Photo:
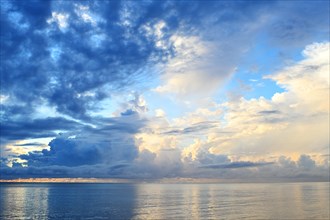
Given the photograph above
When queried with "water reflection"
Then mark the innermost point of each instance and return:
(23, 201)
(88, 201)
(232, 201)
(165, 201)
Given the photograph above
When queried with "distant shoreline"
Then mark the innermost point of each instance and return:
(154, 181)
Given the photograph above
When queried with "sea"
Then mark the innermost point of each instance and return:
(164, 201)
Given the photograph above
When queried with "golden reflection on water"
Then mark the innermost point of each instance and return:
(167, 201)
(25, 202)
(212, 202)
(148, 202)
(232, 201)
(193, 194)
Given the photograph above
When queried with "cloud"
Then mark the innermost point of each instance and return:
(234, 165)
(88, 46)
(306, 162)
(29, 144)
(290, 28)
(194, 128)
(265, 112)
(60, 19)
(252, 133)
(87, 59)
(36, 128)
(148, 166)
(75, 64)
(64, 152)
(293, 121)
(205, 60)
(307, 82)
(199, 68)
(105, 142)
(96, 171)
(109, 143)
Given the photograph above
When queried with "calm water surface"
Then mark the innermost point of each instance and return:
(164, 201)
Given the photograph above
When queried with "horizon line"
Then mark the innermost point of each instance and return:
(161, 180)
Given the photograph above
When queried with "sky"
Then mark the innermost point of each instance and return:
(231, 90)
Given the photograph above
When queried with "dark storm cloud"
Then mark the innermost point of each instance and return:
(37, 128)
(22, 111)
(65, 152)
(42, 61)
(55, 171)
(110, 143)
